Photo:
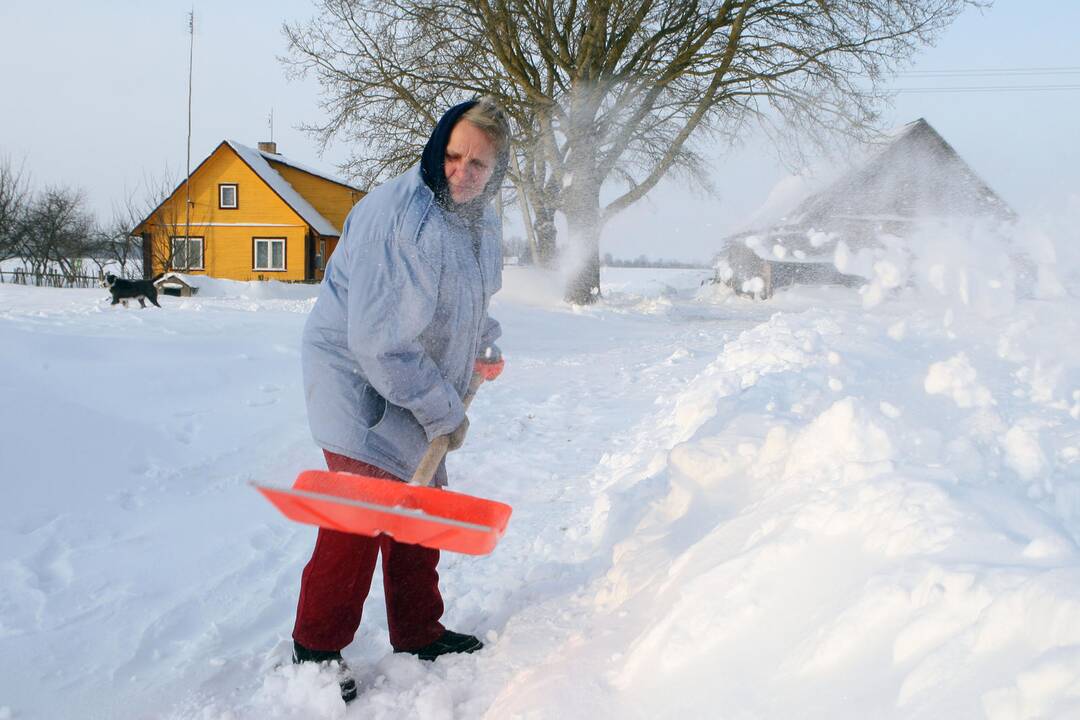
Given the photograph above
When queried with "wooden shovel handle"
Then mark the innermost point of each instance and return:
(425, 471)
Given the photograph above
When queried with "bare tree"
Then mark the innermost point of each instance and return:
(120, 247)
(14, 196)
(51, 230)
(605, 94)
(115, 247)
(164, 218)
(57, 231)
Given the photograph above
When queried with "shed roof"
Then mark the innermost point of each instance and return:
(916, 174)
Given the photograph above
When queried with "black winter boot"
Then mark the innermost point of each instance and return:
(329, 658)
(450, 642)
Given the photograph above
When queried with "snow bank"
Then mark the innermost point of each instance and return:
(914, 558)
(209, 287)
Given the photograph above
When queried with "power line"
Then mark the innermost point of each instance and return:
(973, 76)
(992, 72)
(984, 88)
(977, 74)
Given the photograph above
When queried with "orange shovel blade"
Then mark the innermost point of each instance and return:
(408, 513)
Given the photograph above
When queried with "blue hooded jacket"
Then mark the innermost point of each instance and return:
(402, 314)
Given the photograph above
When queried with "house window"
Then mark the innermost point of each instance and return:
(228, 197)
(269, 253)
(320, 258)
(187, 253)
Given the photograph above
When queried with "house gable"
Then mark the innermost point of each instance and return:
(258, 203)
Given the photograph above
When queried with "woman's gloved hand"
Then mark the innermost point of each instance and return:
(490, 363)
(457, 437)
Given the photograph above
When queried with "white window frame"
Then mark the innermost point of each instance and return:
(187, 243)
(235, 197)
(269, 242)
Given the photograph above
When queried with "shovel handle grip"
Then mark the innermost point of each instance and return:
(437, 449)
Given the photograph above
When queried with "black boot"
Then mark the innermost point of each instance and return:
(449, 642)
(330, 658)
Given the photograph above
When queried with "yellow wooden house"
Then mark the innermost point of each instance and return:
(253, 214)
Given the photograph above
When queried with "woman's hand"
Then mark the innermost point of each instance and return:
(457, 438)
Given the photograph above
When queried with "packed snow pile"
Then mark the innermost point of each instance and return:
(258, 290)
(812, 507)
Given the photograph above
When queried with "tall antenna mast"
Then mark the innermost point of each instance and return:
(187, 184)
(271, 124)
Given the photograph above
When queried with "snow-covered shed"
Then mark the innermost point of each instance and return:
(915, 175)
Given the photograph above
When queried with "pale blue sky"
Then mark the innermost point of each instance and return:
(94, 95)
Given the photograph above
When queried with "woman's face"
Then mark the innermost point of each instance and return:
(470, 160)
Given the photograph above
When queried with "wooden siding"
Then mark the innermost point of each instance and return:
(333, 201)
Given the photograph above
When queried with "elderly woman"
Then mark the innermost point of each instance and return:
(388, 352)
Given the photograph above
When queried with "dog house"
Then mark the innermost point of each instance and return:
(173, 284)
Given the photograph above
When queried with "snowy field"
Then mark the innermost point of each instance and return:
(828, 505)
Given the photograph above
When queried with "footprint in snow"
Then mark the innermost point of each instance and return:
(267, 389)
(51, 567)
(186, 432)
(127, 500)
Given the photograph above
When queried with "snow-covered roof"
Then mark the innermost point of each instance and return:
(174, 277)
(916, 174)
(256, 160)
(278, 158)
(912, 176)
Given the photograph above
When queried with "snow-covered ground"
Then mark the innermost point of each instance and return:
(812, 507)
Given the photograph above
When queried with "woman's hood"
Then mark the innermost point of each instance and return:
(433, 162)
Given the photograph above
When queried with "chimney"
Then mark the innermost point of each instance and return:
(268, 147)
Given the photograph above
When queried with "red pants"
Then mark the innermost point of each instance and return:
(337, 579)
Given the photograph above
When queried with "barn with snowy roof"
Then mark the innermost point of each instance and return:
(914, 176)
(249, 214)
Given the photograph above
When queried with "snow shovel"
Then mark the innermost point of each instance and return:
(412, 512)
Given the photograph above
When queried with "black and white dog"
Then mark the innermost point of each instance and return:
(123, 290)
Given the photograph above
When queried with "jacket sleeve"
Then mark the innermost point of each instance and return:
(393, 288)
(492, 332)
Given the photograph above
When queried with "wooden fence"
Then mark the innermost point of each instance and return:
(49, 279)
